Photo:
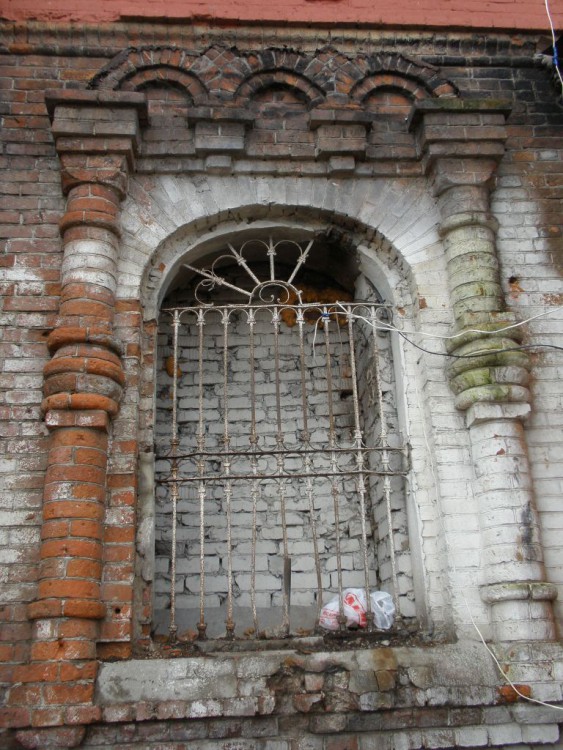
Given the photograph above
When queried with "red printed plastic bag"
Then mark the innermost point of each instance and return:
(354, 601)
(355, 610)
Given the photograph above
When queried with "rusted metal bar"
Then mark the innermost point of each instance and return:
(229, 623)
(385, 460)
(174, 490)
(306, 438)
(360, 459)
(280, 454)
(202, 626)
(255, 486)
(334, 465)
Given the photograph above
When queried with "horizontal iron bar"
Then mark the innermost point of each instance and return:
(290, 452)
(297, 475)
(338, 306)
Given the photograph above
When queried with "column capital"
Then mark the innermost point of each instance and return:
(96, 135)
(460, 141)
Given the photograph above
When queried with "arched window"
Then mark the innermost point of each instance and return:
(279, 461)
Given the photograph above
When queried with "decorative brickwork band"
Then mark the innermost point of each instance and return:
(82, 389)
(461, 145)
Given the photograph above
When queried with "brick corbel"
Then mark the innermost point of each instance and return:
(97, 135)
(220, 129)
(340, 133)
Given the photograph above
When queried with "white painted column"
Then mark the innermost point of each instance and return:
(488, 372)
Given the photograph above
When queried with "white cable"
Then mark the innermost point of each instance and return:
(388, 327)
(555, 64)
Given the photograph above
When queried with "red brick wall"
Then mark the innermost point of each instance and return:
(517, 14)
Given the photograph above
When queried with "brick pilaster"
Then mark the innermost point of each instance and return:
(96, 141)
(461, 144)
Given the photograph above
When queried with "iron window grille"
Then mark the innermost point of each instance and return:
(276, 445)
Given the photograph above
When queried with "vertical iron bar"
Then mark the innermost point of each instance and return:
(202, 626)
(254, 466)
(272, 258)
(385, 461)
(333, 464)
(230, 625)
(173, 628)
(359, 461)
(280, 461)
(306, 441)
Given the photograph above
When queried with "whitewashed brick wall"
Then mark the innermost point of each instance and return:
(169, 218)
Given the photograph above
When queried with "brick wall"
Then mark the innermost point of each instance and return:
(284, 160)
(449, 14)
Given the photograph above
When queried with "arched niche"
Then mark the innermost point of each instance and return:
(359, 265)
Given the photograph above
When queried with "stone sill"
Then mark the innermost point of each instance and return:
(248, 683)
(333, 688)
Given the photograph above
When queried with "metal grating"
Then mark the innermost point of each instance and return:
(277, 418)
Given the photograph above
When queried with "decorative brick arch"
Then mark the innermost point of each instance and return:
(289, 80)
(164, 74)
(398, 83)
(396, 277)
(223, 73)
(397, 71)
(132, 68)
(274, 58)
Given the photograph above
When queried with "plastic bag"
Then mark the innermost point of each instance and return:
(355, 610)
(383, 609)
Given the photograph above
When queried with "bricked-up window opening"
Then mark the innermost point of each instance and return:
(279, 463)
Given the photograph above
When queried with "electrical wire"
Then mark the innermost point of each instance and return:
(476, 330)
(479, 353)
(524, 322)
(554, 45)
(503, 674)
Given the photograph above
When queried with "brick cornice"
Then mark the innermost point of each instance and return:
(91, 40)
(454, 106)
(85, 98)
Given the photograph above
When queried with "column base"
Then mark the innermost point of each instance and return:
(521, 611)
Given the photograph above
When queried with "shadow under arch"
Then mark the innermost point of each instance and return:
(392, 274)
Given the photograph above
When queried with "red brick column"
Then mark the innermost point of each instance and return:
(82, 389)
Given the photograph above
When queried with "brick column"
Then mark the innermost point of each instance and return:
(462, 143)
(96, 141)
